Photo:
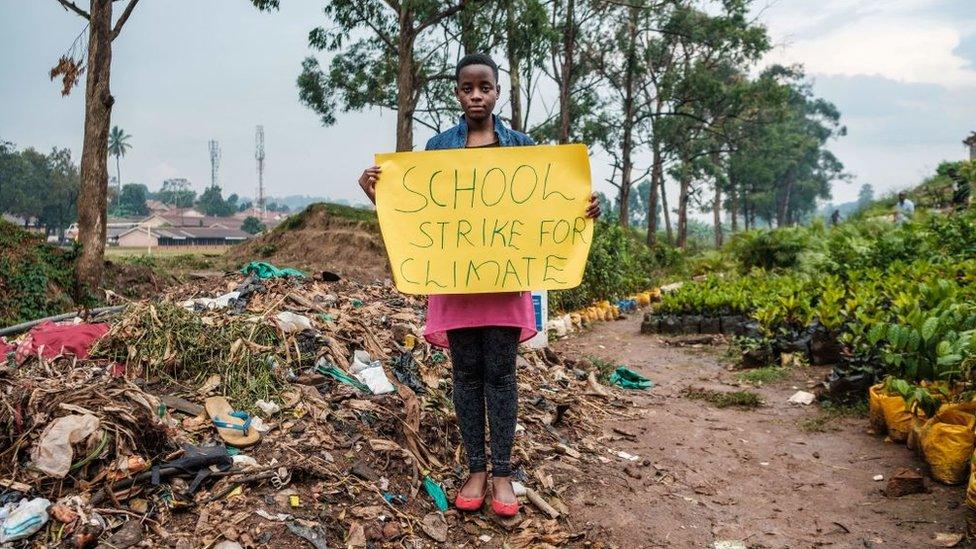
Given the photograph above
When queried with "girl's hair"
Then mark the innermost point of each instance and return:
(476, 59)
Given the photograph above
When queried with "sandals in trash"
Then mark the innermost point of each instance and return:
(233, 426)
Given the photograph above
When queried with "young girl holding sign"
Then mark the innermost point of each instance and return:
(483, 331)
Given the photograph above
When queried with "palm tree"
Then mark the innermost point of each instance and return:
(118, 144)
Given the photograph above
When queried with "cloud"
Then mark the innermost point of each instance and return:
(910, 41)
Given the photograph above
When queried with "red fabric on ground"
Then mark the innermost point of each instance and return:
(60, 339)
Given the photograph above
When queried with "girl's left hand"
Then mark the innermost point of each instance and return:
(593, 210)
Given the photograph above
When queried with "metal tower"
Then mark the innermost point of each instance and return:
(259, 156)
(214, 161)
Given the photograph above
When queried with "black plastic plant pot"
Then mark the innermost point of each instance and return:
(670, 325)
(691, 324)
(651, 324)
(825, 348)
(711, 325)
(732, 325)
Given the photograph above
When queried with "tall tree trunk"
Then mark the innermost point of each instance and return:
(666, 212)
(118, 176)
(94, 162)
(683, 198)
(733, 204)
(627, 146)
(514, 67)
(469, 32)
(657, 173)
(717, 201)
(406, 94)
(784, 202)
(566, 76)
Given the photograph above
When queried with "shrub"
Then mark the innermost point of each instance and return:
(769, 249)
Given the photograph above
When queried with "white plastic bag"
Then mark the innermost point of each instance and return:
(361, 360)
(290, 322)
(53, 453)
(25, 520)
(211, 303)
(375, 378)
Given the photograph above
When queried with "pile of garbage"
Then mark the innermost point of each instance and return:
(244, 410)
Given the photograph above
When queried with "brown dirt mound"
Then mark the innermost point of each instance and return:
(323, 237)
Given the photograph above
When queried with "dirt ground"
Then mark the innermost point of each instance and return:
(710, 474)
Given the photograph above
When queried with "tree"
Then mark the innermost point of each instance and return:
(252, 225)
(92, 196)
(865, 196)
(527, 38)
(177, 192)
(131, 201)
(59, 209)
(118, 144)
(395, 60)
(212, 202)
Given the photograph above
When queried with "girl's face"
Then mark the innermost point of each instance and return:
(477, 91)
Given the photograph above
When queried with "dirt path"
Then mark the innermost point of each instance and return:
(710, 474)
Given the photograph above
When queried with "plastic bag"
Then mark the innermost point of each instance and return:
(290, 322)
(947, 443)
(25, 520)
(898, 420)
(360, 361)
(875, 411)
(375, 378)
(53, 452)
(629, 379)
(971, 488)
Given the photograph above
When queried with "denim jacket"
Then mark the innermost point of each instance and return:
(457, 137)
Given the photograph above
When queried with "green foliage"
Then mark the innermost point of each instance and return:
(252, 225)
(177, 192)
(212, 202)
(42, 189)
(764, 249)
(719, 399)
(131, 202)
(766, 374)
(36, 279)
(619, 264)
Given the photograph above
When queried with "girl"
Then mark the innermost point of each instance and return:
(483, 331)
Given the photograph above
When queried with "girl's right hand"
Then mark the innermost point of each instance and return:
(368, 182)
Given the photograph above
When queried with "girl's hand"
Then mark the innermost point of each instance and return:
(593, 210)
(368, 182)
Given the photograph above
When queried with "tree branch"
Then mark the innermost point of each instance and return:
(124, 17)
(71, 6)
(443, 15)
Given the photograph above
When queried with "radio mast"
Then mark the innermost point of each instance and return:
(259, 156)
(214, 161)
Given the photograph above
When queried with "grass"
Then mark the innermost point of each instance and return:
(720, 399)
(829, 414)
(604, 369)
(297, 220)
(766, 374)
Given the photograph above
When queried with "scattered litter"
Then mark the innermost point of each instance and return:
(53, 452)
(944, 539)
(803, 398)
(227, 544)
(315, 535)
(267, 270)
(436, 493)
(290, 322)
(269, 408)
(209, 303)
(878, 478)
(518, 488)
(279, 517)
(729, 544)
(435, 526)
(28, 517)
(375, 378)
(629, 379)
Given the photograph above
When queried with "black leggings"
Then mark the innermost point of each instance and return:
(484, 372)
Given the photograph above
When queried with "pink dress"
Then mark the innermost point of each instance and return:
(450, 312)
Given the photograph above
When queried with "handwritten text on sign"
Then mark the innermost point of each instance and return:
(497, 219)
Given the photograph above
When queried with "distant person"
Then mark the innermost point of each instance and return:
(904, 209)
(482, 330)
(960, 197)
(835, 218)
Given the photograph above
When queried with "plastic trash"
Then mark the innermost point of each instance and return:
(53, 452)
(267, 270)
(269, 408)
(629, 379)
(25, 520)
(324, 367)
(360, 361)
(518, 488)
(211, 303)
(802, 397)
(435, 492)
(242, 461)
(375, 378)
(290, 322)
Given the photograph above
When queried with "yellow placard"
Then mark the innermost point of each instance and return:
(499, 219)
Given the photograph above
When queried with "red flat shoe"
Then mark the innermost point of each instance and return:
(470, 504)
(504, 510)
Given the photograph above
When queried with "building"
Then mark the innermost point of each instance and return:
(151, 237)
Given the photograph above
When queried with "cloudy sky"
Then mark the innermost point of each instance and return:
(902, 72)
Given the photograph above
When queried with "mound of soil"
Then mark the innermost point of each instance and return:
(323, 237)
(135, 281)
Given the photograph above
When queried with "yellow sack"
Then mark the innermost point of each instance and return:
(644, 299)
(897, 418)
(656, 294)
(875, 412)
(947, 443)
(971, 488)
(914, 440)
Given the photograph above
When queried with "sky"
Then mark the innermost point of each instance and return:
(902, 73)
